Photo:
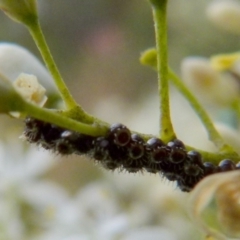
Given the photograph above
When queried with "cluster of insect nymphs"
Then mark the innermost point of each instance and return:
(121, 149)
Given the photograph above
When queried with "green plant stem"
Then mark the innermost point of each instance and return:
(236, 108)
(62, 121)
(37, 34)
(160, 20)
(213, 134)
(215, 157)
(102, 129)
(73, 109)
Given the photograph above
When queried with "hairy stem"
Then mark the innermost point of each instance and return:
(160, 20)
(37, 34)
(213, 134)
(64, 122)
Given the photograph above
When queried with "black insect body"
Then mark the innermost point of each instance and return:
(102, 153)
(82, 143)
(50, 134)
(173, 167)
(101, 149)
(121, 149)
(120, 134)
(33, 129)
(136, 154)
(158, 155)
(226, 165)
(178, 152)
(210, 168)
(193, 171)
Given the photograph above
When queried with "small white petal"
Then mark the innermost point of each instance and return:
(218, 193)
(230, 135)
(44, 194)
(225, 14)
(153, 233)
(9, 98)
(208, 84)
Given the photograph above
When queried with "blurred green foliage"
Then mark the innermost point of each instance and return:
(97, 43)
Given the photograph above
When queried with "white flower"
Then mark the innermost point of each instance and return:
(217, 198)
(25, 200)
(211, 86)
(121, 207)
(15, 60)
(225, 14)
(153, 233)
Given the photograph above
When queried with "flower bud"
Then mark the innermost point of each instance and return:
(149, 57)
(28, 87)
(23, 11)
(31, 91)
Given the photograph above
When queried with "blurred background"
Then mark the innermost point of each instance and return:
(96, 45)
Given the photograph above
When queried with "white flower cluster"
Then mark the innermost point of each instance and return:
(21, 193)
(118, 206)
